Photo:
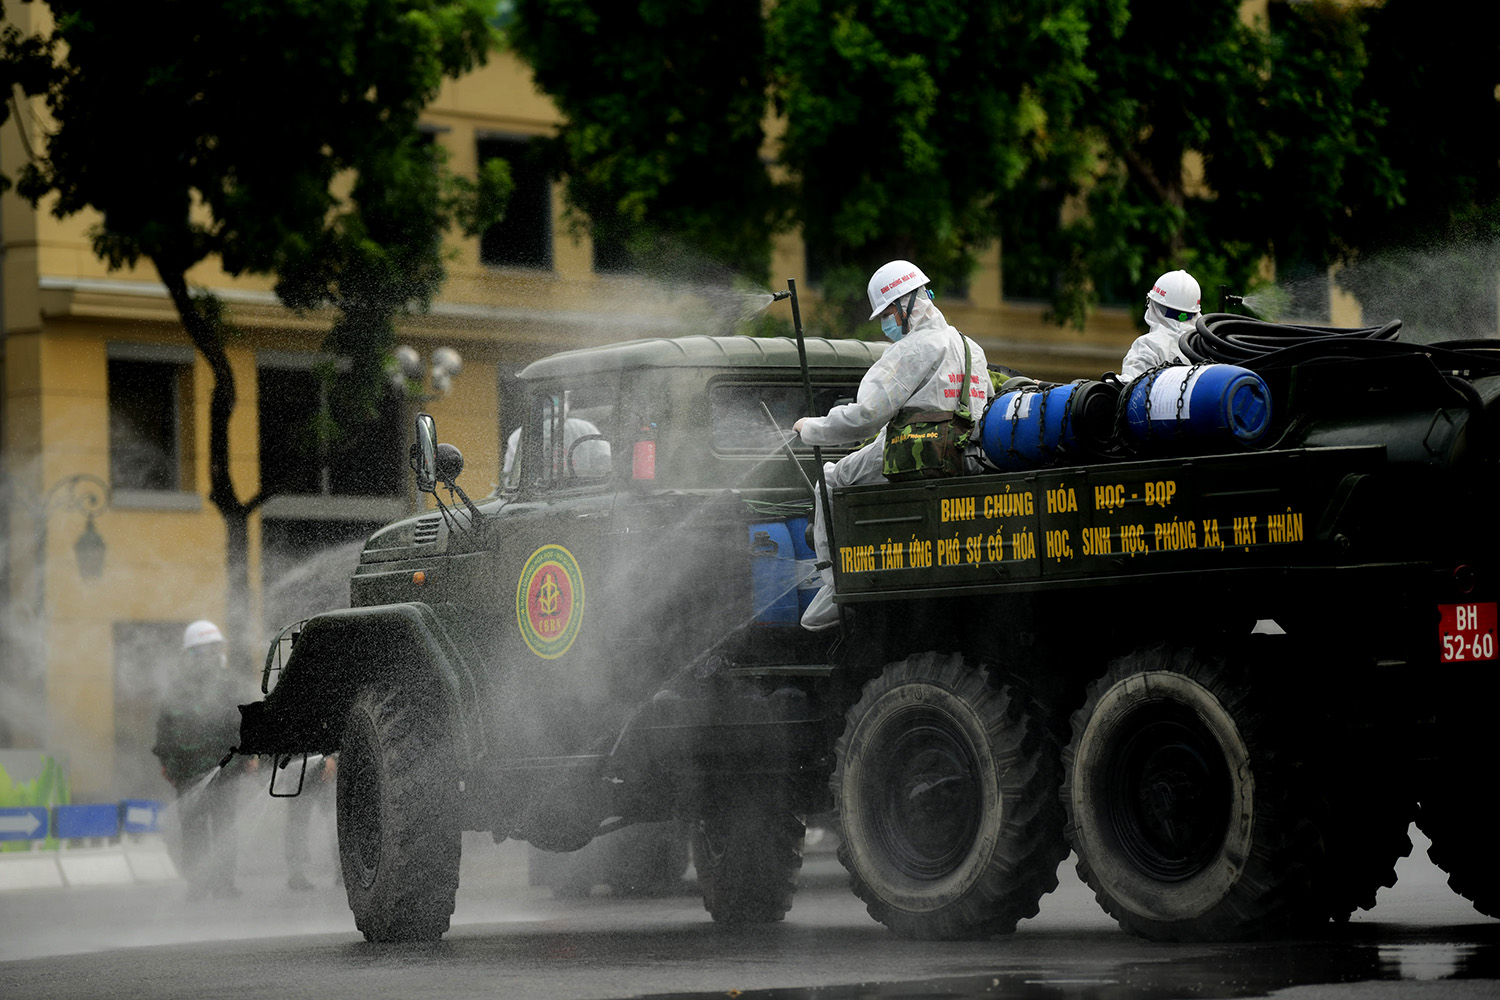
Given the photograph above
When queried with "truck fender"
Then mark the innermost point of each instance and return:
(339, 652)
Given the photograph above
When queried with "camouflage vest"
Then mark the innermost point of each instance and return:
(930, 444)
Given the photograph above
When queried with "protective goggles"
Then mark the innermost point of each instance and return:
(1167, 312)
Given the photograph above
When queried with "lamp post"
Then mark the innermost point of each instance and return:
(86, 494)
(407, 372)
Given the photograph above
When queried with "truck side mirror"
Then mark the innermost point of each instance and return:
(424, 453)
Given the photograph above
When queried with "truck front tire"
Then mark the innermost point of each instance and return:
(398, 832)
(945, 797)
(1183, 825)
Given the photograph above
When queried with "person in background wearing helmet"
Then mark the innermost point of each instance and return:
(924, 369)
(198, 723)
(1172, 305)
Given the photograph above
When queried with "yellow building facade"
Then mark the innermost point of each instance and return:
(104, 426)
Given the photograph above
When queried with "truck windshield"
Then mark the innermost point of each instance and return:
(575, 430)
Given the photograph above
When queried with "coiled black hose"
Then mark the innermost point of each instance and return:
(1238, 340)
(1258, 345)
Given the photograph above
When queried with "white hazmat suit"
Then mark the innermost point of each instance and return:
(923, 370)
(1172, 304)
(1157, 346)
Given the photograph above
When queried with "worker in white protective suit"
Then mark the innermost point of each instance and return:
(589, 458)
(1172, 306)
(923, 370)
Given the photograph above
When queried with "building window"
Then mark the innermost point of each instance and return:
(150, 408)
(308, 449)
(524, 237)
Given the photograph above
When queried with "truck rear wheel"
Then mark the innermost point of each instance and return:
(1182, 824)
(748, 852)
(945, 797)
(398, 832)
(1461, 844)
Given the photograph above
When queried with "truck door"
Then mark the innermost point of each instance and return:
(550, 564)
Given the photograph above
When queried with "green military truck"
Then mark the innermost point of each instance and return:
(1227, 664)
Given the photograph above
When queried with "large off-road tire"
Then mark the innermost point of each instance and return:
(747, 852)
(398, 829)
(945, 798)
(1185, 815)
(1368, 803)
(1450, 815)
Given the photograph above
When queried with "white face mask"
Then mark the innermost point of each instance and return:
(891, 327)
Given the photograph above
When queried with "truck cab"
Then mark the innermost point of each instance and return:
(610, 637)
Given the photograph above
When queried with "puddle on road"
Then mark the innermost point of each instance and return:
(1222, 972)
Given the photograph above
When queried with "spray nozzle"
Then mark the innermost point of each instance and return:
(778, 296)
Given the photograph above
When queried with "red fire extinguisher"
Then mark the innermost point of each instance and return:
(643, 465)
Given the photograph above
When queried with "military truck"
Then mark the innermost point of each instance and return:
(1226, 668)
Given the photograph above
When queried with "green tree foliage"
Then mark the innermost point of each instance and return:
(234, 129)
(926, 128)
(1271, 112)
(664, 104)
(908, 123)
(1431, 258)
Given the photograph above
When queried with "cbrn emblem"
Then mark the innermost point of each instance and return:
(549, 601)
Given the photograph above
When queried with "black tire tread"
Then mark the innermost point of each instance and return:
(1030, 845)
(414, 896)
(1461, 844)
(1276, 885)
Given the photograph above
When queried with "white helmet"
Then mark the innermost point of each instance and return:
(1176, 293)
(893, 280)
(201, 633)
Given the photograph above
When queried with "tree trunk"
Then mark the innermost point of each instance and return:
(205, 327)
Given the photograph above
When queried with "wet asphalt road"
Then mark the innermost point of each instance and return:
(513, 940)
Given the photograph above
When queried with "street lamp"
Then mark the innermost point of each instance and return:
(87, 494)
(407, 371)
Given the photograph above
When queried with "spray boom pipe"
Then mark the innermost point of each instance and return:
(786, 446)
(791, 284)
(1226, 300)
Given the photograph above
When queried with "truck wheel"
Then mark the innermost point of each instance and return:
(945, 798)
(1461, 844)
(1367, 810)
(398, 831)
(1182, 824)
(748, 854)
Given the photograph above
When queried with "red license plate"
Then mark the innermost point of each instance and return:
(1467, 632)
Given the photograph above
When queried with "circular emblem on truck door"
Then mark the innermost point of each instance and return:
(549, 601)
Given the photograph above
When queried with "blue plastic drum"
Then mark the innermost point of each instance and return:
(1200, 403)
(1033, 427)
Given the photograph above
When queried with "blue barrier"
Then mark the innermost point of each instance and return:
(102, 820)
(140, 815)
(23, 823)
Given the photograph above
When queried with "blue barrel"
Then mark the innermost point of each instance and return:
(782, 578)
(1034, 426)
(773, 574)
(808, 580)
(1198, 403)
